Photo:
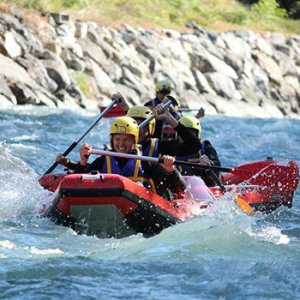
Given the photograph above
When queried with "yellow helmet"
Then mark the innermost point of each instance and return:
(163, 86)
(125, 125)
(142, 112)
(191, 122)
(175, 102)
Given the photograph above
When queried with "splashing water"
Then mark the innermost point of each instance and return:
(222, 254)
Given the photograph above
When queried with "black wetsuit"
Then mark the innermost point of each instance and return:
(212, 155)
(159, 124)
(188, 145)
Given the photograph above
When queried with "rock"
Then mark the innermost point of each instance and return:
(57, 70)
(37, 71)
(5, 102)
(10, 46)
(224, 86)
(103, 81)
(269, 66)
(6, 93)
(202, 83)
(236, 73)
(208, 63)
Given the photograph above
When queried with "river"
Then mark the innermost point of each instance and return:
(222, 255)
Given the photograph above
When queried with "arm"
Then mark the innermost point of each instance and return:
(172, 179)
(122, 102)
(65, 161)
(212, 154)
(96, 165)
(83, 166)
(189, 144)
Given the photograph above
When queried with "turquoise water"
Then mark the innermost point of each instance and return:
(222, 255)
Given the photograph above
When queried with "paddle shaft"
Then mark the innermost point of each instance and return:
(157, 160)
(74, 144)
(188, 109)
(145, 122)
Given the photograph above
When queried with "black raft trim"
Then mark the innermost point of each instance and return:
(58, 217)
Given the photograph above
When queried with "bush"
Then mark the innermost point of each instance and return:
(240, 18)
(268, 10)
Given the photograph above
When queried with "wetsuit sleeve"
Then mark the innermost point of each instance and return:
(165, 182)
(71, 165)
(189, 144)
(211, 153)
(148, 104)
(176, 183)
(96, 165)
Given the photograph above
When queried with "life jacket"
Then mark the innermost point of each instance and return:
(151, 148)
(154, 102)
(132, 169)
(194, 157)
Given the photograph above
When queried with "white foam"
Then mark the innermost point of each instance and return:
(270, 234)
(20, 192)
(50, 251)
(7, 244)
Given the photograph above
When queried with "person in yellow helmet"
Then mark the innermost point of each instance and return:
(154, 146)
(124, 133)
(163, 89)
(206, 153)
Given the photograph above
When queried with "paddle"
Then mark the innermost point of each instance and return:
(74, 144)
(186, 109)
(115, 111)
(243, 204)
(157, 160)
(245, 207)
(165, 105)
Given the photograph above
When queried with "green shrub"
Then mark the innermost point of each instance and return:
(238, 17)
(268, 10)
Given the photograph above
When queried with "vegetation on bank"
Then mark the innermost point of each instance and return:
(259, 15)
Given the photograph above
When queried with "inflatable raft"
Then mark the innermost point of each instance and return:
(109, 205)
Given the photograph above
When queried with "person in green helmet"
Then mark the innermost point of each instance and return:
(153, 146)
(206, 154)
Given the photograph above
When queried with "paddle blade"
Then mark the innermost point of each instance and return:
(244, 206)
(115, 111)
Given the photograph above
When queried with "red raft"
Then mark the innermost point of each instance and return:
(109, 205)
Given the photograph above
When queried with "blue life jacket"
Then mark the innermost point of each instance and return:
(132, 169)
(151, 148)
(154, 102)
(194, 157)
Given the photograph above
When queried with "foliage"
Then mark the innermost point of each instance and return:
(82, 82)
(215, 14)
(268, 10)
(291, 6)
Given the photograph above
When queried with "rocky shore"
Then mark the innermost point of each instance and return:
(54, 61)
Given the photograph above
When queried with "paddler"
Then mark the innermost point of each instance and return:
(154, 147)
(162, 178)
(206, 153)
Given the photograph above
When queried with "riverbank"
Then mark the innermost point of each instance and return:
(55, 61)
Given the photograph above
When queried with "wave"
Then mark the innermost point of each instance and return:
(21, 194)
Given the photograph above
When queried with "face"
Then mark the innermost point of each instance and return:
(161, 96)
(193, 131)
(143, 132)
(123, 143)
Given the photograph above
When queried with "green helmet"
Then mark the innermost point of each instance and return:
(163, 86)
(191, 122)
(142, 112)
